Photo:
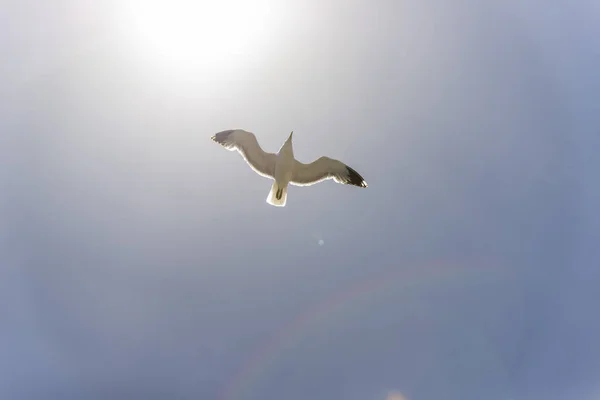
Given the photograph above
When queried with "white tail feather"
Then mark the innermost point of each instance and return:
(273, 194)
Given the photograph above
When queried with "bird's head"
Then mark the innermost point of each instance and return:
(287, 145)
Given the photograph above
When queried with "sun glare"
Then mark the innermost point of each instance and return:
(200, 32)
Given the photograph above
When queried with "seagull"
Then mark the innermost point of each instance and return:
(283, 168)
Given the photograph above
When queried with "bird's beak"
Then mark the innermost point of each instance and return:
(290, 138)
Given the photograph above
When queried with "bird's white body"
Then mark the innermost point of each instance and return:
(283, 168)
(284, 164)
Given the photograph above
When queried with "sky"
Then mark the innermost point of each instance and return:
(139, 259)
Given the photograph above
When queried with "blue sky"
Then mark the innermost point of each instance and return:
(138, 259)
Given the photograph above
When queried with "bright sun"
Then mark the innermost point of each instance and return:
(197, 32)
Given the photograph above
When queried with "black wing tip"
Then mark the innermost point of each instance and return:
(221, 137)
(355, 179)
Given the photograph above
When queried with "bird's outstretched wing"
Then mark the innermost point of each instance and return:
(245, 143)
(325, 168)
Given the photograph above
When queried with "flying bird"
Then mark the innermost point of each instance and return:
(283, 168)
